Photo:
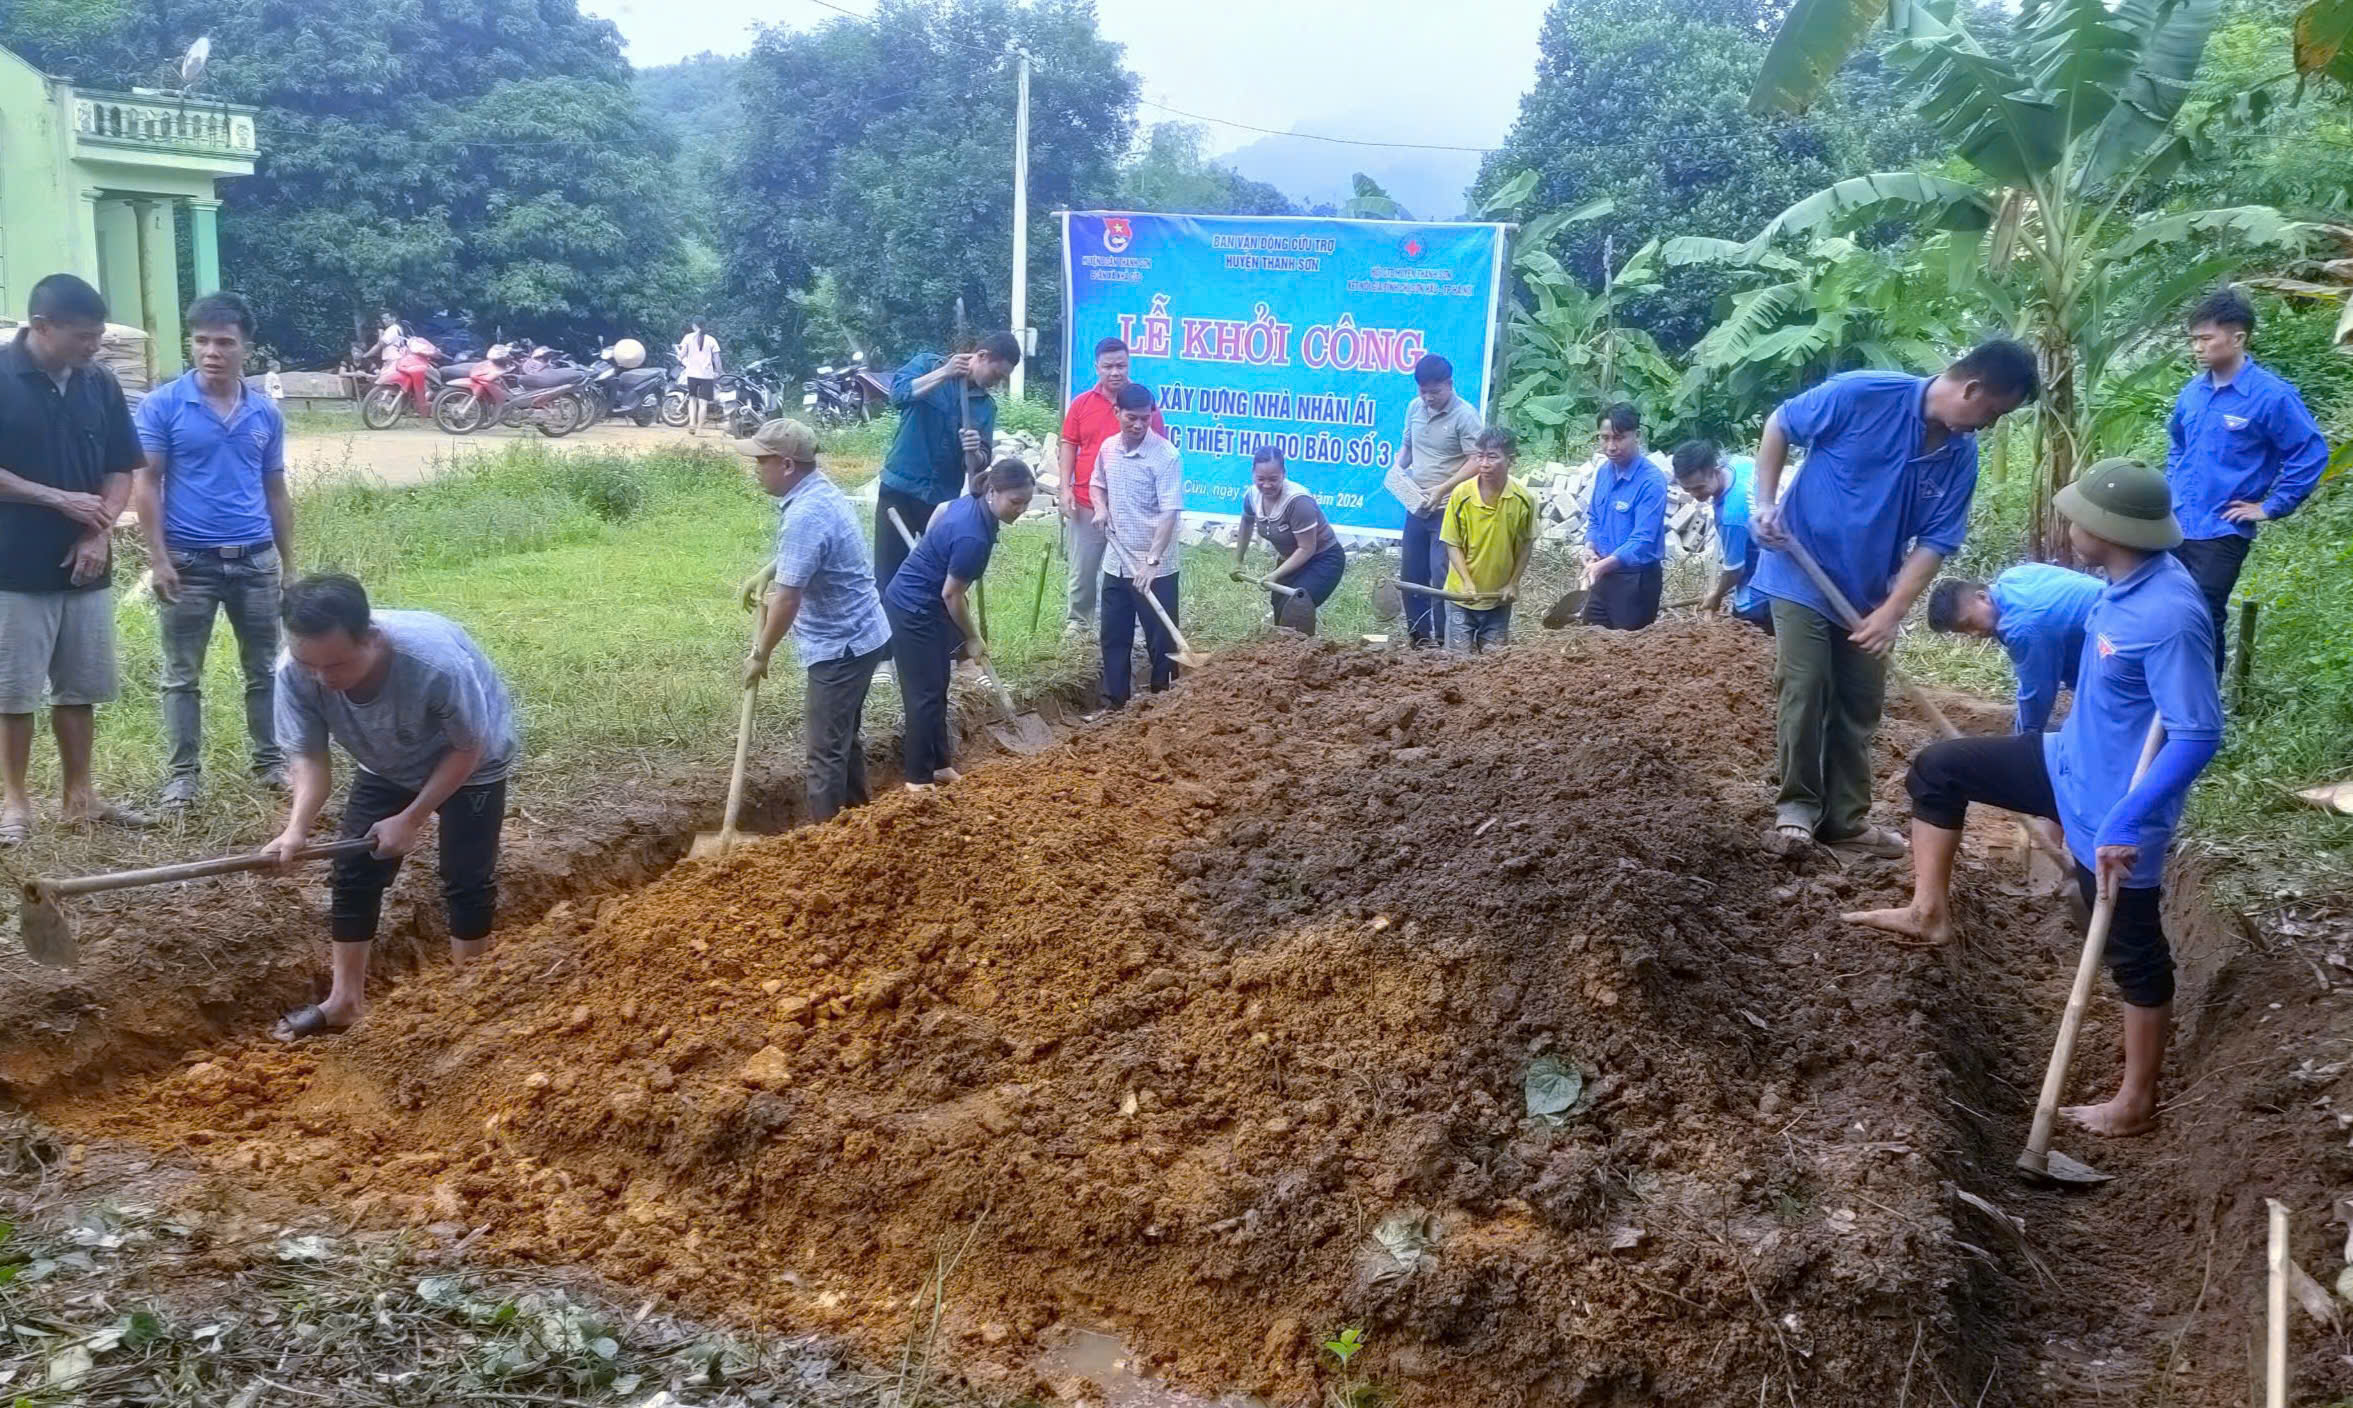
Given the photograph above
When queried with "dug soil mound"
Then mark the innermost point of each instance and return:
(1453, 1000)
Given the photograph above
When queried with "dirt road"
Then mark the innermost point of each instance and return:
(411, 454)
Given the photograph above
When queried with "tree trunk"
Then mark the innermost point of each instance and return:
(2056, 418)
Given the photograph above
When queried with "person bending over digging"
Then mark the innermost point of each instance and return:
(2148, 655)
(2036, 610)
(1288, 517)
(426, 719)
(1489, 531)
(929, 605)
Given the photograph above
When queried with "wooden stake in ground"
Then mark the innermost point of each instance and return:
(2275, 1349)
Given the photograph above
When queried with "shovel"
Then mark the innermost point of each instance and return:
(709, 844)
(1297, 613)
(1570, 606)
(49, 930)
(1018, 732)
(2038, 1159)
(1184, 653)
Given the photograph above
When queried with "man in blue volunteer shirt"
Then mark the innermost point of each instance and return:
(219, 525)
(1625, 528)
(2147, 656)
(2242, 450)
(1702, 471)
(925, 466)
(2036, 610)
(823, 593)
(1881, 500)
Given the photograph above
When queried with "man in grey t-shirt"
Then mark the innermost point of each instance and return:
(1440, 428)
(424, 715)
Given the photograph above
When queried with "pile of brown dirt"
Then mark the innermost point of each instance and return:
(1215, 1029)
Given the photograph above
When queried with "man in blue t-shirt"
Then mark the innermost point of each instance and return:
(219, 524)
(2241, 450)
(1625, 527)
(2147, 719)
(930, 458)
(2036, 610)
(1881, 500)
(1702, 471)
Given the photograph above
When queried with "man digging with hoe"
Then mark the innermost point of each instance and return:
(2148, 656)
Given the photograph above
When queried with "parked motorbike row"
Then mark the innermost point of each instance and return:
(514, 385)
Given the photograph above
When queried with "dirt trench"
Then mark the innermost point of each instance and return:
(1228, 1024)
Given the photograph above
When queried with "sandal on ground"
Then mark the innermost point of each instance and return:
(116, 814)
(1794, 836)
(303, 1023)
(15, 830)
(1875, 841)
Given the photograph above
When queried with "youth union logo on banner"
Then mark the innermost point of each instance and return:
(1116, 235)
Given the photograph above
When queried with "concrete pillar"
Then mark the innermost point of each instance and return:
(118, 260)
(159, 283)
(204, 230)
(86, 240)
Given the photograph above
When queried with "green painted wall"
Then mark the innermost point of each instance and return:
(41, 211)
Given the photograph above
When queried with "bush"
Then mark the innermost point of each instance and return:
(607, 487)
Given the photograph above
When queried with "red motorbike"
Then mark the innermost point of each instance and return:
(406, 383)
(495, 393)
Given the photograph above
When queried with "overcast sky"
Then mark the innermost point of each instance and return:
(1387, 70)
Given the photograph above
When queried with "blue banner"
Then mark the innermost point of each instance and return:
(1301, 333)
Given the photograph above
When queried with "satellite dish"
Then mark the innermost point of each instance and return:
(192, 63)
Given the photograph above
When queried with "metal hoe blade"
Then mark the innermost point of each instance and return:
(48, 930)
(2055, 1167)
(1388, 602)
(1297, 614)
(1565, 610)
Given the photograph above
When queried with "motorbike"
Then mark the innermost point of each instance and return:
(639, 393)
(404, 386)
(749, 397)
(845, 395)
(496, 392)
(674, 399)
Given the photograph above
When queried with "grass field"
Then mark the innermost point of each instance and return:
(605, 587)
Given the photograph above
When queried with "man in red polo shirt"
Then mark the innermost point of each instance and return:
(1091, 420)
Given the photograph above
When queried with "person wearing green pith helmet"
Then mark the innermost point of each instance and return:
(2148, 657)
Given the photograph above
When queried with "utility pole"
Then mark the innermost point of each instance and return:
(1021, 219)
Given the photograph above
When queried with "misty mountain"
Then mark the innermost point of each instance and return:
(1313, 173)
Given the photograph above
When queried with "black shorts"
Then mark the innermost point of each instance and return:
(701, 387)
(2009, 772)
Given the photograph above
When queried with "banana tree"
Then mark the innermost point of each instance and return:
(1567, 352)
(2072, 136)
(1802, 315)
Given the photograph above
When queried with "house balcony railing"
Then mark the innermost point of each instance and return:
(195, 125)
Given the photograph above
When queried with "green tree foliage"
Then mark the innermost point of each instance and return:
(486, 158)
(1570, 351)
(881, 152)
(1169, 174)
(2066, 139)
(1644, 101)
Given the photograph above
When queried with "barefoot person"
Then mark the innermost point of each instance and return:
(2148, 655)
(67, 450)
(823, 593)
(2036, 610)
(1489, 532)
(929, 602)
(1883, 498)
(1294, 526)
(425, 717)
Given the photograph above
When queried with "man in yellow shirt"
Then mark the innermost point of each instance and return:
(1489, 531)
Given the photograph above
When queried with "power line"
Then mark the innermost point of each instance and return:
(1224, 121)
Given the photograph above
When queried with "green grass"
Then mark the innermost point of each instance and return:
(604, 585)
